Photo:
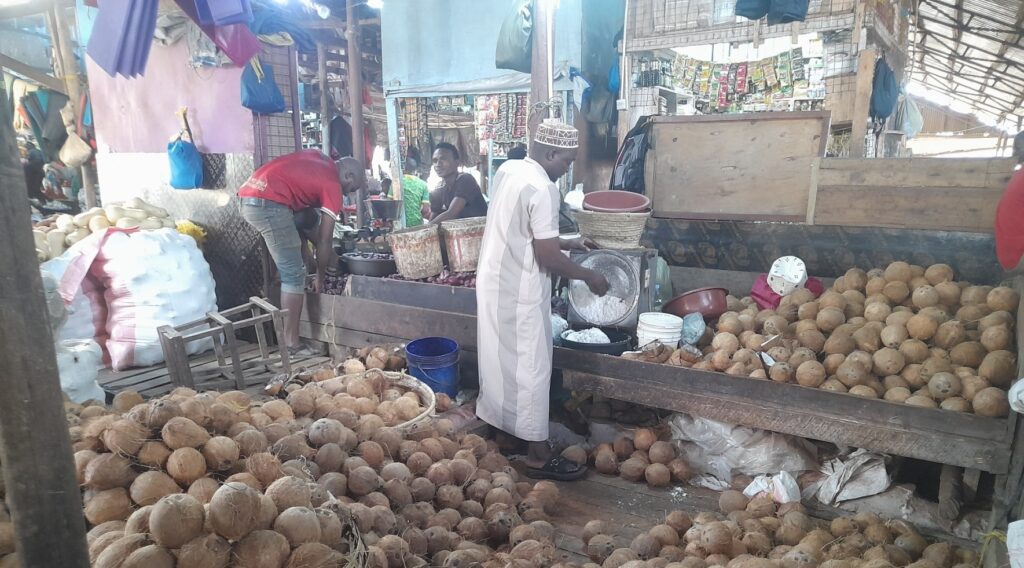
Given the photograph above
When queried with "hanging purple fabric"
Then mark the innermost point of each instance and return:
(235, 40)
(223, 12)
(123, 33)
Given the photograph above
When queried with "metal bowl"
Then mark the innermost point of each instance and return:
(623, 283)
(384, 209)
(356, 264)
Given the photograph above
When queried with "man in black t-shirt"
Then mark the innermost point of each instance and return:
(459, 197)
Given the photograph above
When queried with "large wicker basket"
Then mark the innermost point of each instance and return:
(617, 231)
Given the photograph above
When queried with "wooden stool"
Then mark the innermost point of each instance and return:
(220, 327)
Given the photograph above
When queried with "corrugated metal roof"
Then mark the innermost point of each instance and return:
(971, 51)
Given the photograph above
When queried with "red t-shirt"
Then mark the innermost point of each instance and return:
(1010, 223)
(299, 180)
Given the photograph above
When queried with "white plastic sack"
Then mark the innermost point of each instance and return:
(151, 279)
(1016, 397)
(719, 449)
(86, 310)
(78, 363)
(861, 474)
(782, 487)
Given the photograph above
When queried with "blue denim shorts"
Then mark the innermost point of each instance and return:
(276, 223)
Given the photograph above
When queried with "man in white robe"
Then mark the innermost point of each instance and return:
(520, 251)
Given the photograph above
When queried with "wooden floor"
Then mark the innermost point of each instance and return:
(155, 381)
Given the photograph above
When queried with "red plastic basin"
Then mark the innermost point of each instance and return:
(710, 302)
(614, 201)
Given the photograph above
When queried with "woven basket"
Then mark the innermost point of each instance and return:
(616, 231)
(417, 252)
(426, 395)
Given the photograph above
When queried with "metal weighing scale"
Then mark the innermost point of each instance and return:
(643, 260)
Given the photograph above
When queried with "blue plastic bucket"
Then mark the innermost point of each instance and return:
(435, 361)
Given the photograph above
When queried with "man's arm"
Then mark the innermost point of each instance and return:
(549, 256)
(453, 212)
(324, 249)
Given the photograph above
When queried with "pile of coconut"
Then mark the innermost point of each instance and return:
(905, 334)
(759, 534)
(640, 458)
(315, 479)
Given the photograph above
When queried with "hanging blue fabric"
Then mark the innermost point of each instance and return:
(786, 11)
(752, 9)
(885, 91)
(259, 91)
(614, 82)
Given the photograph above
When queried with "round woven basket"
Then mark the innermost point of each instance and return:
(617, 231)
(426, 395)
(417, 251)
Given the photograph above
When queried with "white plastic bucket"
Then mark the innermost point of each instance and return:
(660, 321)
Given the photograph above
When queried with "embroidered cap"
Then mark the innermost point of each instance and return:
(557, 134)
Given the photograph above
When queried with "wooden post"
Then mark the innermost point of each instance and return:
(540, 65)
(355, 97)
(61, 32)
(35, 448)
(862, 102)
(325, 108)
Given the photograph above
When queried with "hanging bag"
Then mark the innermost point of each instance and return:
(259, 91)
(752, 9)
(186, 160)
(787, 11)
(223, 12)
(515, 39)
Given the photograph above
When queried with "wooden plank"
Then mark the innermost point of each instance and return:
(714, 166)
(940, 208)
(32, 74)
(432, 296)
(812, 193)
(943, 437)
(406, 322)
(120, 380)
(862, 100)
(917, 172)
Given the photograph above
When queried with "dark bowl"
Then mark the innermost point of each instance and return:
(614, 201)
(618, 346)
(356, 264)
(710, 302)
(385, 209)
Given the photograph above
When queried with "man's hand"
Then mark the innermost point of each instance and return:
(597, 283)
(579, 243)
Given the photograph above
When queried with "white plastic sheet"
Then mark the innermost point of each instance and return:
(861, 474)
(782, 487)
(720, 449)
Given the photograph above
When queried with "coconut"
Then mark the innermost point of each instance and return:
(107, 471)
(632, 469)
(991, 402)
(716, 538)
(921, 400)
(175, 520)
(265, 467)
(944, 385)
(999, 368)
(997, 338)
(911, 543)
(234, 510)
(116, 553)
(851, 373)
(888, 361)
(150, 486)
(186, 465)
(180, 432)
(657, 475)
(1003, 298)
(207, 551)
(968, 354)
(781, 373)
(108, 505)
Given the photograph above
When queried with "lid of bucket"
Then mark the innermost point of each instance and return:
(623, 289)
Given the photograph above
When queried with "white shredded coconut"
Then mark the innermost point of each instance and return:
(604, 309)
(592, 335)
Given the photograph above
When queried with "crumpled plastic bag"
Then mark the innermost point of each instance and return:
(861, 474)
(1016, 397)
(558, 327)
(693, 328)
(720, 449)
(782, 487)
(78, 363)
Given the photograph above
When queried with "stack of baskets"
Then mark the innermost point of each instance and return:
(614, 219)
(420, 252)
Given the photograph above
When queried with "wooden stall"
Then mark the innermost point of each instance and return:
(391, 311)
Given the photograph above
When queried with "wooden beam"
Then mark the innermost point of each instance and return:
(540, 65)
(35, 447)
(33, 74)
(355, 97)
(325, 109)
(862, 102)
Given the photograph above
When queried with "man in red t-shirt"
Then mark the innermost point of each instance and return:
(271, 196)
(1009, 226)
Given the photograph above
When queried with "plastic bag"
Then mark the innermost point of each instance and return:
(515, 39)
(912, 121)
(693, 328)
(782, 487)
(75, 151)
(884, 91)
(574, 198)
(1017, 397)
(786, 11)
(186, 164)
(78, 363)
(719, 449)
(259, 91)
